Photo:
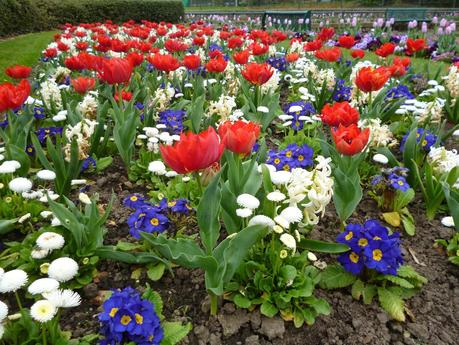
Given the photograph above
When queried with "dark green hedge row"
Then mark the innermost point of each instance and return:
(21, 16)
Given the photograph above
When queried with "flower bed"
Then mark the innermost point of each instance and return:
(254, 186)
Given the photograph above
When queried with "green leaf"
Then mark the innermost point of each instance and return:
(103, 163)
(174, 332)
(322, 246)
(7, 225)
(156, 299)
(357, 289)
(408, 222)
(242, 301)
(398, 281)
(369, 292)
(402, 199)
(135, 274)
(347, 192)
(406, 271)
(452, 199)
(155, 272)
(335, 277)
(392, 303)
(298, 318)
(268, 309)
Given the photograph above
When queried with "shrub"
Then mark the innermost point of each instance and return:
(21, 16)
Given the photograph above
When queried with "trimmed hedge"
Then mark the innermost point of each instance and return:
(21, 16)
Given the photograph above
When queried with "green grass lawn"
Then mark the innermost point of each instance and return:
(22, 50)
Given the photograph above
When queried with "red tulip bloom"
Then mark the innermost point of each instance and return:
(330, 55)
(340, 113)
(115, 71)
(414, 46)
(240, 136)
(235, 42)
(13, 96)
(313, 45)
(369, 79)
(325, 34)
(385, 50)
(350, 140)
(292, 57)
(241, 57)
(216, 65)
(134, 58)
(125, 95)
(50, 53)
(257, 73)
(81, 45)
(259, 49)
(357, 53)
(83, 84)
(405, 61)
(166, 62)
(193, 152)
(18, 72)
(74, 63)
(346, 41)
(192, 62)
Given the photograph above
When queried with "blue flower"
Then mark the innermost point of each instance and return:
(88, 163)
(399, 91)
(423, 137)
(172, 119)
(297, 110)
(353, 262)
(279, 63)
(134, 201)
(293, 156)
(147, 218)
(48, 132)
(181, 205)
(30, 150)
(398, 182)
(38, 113)
(126, 317)
(342, 92)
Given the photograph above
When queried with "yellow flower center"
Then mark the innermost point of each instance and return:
(286, 167)
(138, 319)
(125, 320)
(288, 154)
(377, 255)
(354, 257)
(171, 203)
(349, 236)
(400, 183)
(113, 312)
(377, 238)
(134, 198)
(300, 158)
(276, 161)
(154, 221)
(424, 142)
(363, 242)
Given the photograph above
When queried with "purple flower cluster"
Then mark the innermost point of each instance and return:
(293, 156)
(424, 137)
(394, 178)
(298, 110)
(342, 92)
(279, 63)
(48, 132)
(371, 246)
(172, 119)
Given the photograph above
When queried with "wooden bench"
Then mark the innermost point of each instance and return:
(405, 15)
(300, 19)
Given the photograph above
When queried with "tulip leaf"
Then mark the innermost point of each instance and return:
(347, 193)
(322, 246)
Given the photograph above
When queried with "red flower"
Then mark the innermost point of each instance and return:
(350, 140)
(50, 53)
(241, 57)
(74, 63)
(325, 34)
(18, 71)
(13, 96)
(192, 62)
(340, 113)
(125, 95)
(330, 55)
(199, 41)
(240, 136)
(369, 79)
(385, 50)
(405, 61)
(62, 46)
(313, 45)
(292, 57)
(235, 42)
(357, 53)
(414, 46)
(166, 62)
(346, 41)
(259, 49)
(173, 46)
(81, 45)
(83, 84)
(134, 58)
(257, 73)
(115, 70)
(193, 152)
(216, 65)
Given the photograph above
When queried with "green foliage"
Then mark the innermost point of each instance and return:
(452, 248)
(22, 16)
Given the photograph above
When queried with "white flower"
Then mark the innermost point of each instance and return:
(46, 175)
(63, 269)
(186, 178)
(295, 108)
(63, 298)
(84, 198)
(171, 174)
(45, 214)
(40, 253)
(289, 241)
(280, 177)
(15, 164)
(312, 256)
(448, 221)
(13, 280)
(24, 218)
(50, 240)
(292, 214)
(248, 201)
(3, 311)
(276, 196)
(244, 212)
(157, 167)
(43, 285)
(262, 220)
(282, 221)
(2, 330)
(278, 229)
(20, 185)
(43, 311)
(78, 182)
(7, 168)
(380, 158)
(263, 109)
(2, 272)
(55, 222)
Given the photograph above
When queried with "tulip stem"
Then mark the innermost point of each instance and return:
(18, 300)
(213, 303)
(198, 179)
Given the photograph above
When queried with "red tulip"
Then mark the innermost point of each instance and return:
(134, 58)
(346, 41)
(74, 63)
(414, 46)
(340, 113)
(241, 57)
(192, 62)
(313, 45)
(350, 140)
(259, 49)
(166, 62)
(292, 57)
(369, 79)
(193, 152)
(235, 42)
(125, 95)
(115, 71)
(50, 53)
(81, 45)
(330, 55)
(257, 73)
(199, 41)
(405, 61)
(216, 65)
(357, 53)
(325, 34)
(83, 84)
(385, 50)
(18, 71)
(240, 136)
(13, 96)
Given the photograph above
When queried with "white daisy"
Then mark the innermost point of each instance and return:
(280, 177)
(292, 214)
(63, 298)
(78, 182)
(39, 253)
(380, 158)
(263, 109)
(282, 221)
(84, 198)
(50, 240)
(276, 196)
(248, 201)
(312, 256)
(244, 212)
(63, 269)
(448, 221)
(20, 185)
(289, 241)
(46, 175)
(3, 311)
(13, 280)
(43, 311)
(262, 220)
(157, 167)
(43, 285)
